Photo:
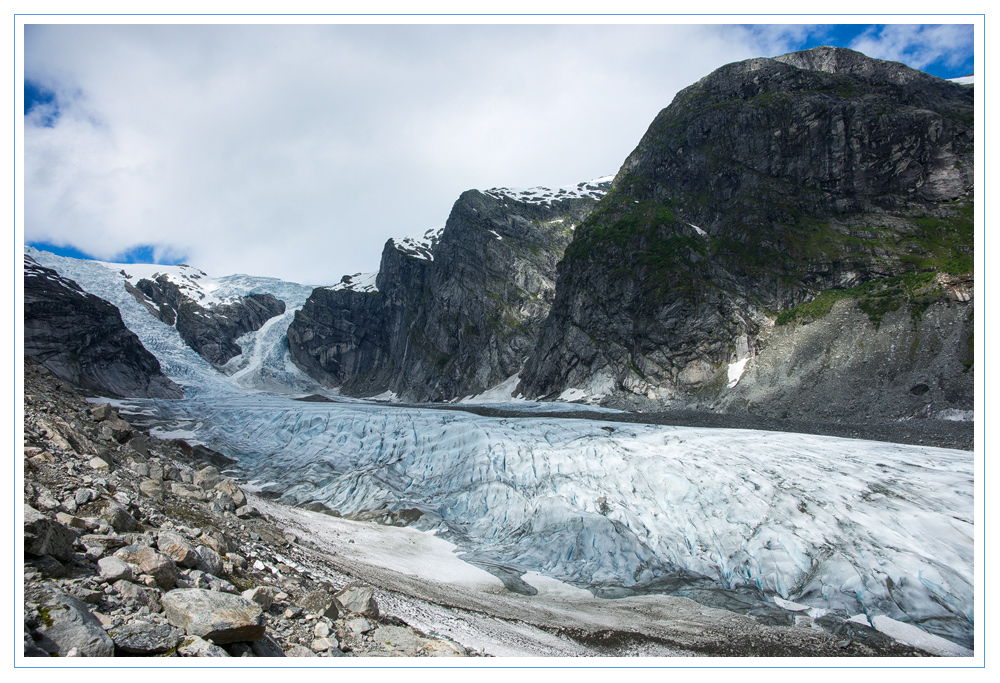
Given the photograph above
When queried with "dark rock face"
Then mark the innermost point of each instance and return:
(762, 185)
(82, 339)
(209, 331)
(452, 316)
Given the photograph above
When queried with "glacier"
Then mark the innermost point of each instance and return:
(832, 525)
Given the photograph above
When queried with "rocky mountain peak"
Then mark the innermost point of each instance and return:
(760, 186)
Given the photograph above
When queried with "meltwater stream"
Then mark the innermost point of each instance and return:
(843, 525)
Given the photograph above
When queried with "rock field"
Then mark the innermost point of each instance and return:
(139, 547)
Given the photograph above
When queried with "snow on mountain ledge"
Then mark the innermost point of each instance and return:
(193, 283)
(419, 246)
(359, 282)
(594, 189)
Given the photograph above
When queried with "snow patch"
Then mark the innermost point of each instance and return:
(549, 587)
(573, 394)
(359, 282)
(419, 246)
(956, 415)
(698, 230)
(964, 80)
(188, 435)
(594, 189)
(495, 234)
(789, 605)
(385, 396)
(501, 393)
(193, 283)
(913, 636)
(736, 371)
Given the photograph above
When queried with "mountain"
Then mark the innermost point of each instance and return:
(82, 339)
(211, 331)
(182, 320)
(792, 237)
(453, 312)
(762, 195)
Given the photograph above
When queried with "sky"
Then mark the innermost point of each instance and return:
(296, 151)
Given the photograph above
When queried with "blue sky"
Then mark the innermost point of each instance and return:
(296, 151)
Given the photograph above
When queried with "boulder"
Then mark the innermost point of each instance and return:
(320, 603)
(188, 491)
(208, 560)
(45, 536)
(102, 411)
(358, 599)
(232, 489)
(262, 595)
(121, 431)
(207, 477)
(152, 488)
(246, 512)
(140, 595)
(144, 638)
(411, 644)
(114, 569)
(69, 625)
(150, 562)
(266, 647)
(118, 517)
(177, 548)
(219, 617)
(194, 646)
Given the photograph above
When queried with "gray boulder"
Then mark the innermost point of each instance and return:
(209, 561)
(207, 477)
(140, 595)
(118, 517)
(219, 617)
(358, 599)
(45, 536)
(266, 647)
(70, 626)
(114, 569)
(232, 489)
(177, 548)
(188, 491)
(320, 603)
(262, 595)
(194, 646)
(150, 562)
(144, 638)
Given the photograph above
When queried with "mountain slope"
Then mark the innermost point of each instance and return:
(451, 313)
(212, 329)
(82, 339)
(759, 187)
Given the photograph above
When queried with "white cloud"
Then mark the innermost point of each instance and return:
(917, 46)
(296, 151)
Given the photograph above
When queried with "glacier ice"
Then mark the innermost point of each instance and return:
(832, 524)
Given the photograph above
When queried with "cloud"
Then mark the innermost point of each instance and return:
(918, 46)
(296, 151)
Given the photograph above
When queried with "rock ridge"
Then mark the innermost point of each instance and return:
(453, 313)
(760, 187)
(212, 332)
(82, 339)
